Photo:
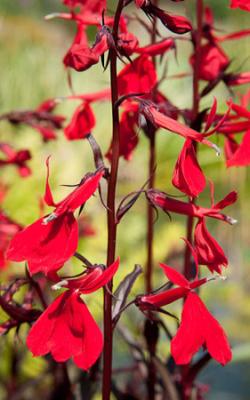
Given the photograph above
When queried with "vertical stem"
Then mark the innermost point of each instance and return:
(111, 218)
(197, 38)
(151, 380)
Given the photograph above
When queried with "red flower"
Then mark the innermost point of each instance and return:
(66, 328)
(158, 48)
(199, 328)
(128, 134)
(208, 251)
(188, 176)
(175, 23)
(213, 62)
(49, 242)
(17, 158)
(137, 77)
(243, 4)
(81, 124)
(161, 120)
(169, 296)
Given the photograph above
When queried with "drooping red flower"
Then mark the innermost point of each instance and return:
(157, 48)
(66, 329)
(137, 77)
(198, 329)
(128, 134)
(18, 158)
(243, 4)
(169, 204)
(80, 56)
(160, 120)
(175, 23)
(188, 176)
(170, 295)
(81, 124)
(50, 241)
(213, 62)
(208, 250)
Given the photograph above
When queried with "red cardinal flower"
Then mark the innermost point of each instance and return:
(198, 327)
(17, 158)
(188, 176)
(66, 329)
(240, 155)
(208, 251)
(169, 296)
(213, 62)
(175, 23)
(49, 242)
(128, 135)
(81, 124)
(169, 204)
(137, 77)
(243, 4)
(158, 48)
(161, 120)
(80, 56)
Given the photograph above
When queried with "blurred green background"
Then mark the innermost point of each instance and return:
(31, 71)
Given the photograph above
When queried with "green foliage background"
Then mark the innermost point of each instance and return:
(31, 71)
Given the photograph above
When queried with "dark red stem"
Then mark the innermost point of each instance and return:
(111, 217)
(150, 240)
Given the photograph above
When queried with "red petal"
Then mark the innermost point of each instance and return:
(67, 329)
(229, 199)
(163, 298)
(188, 176)
(208, 250)
(156, 48)
(81, 124)
(213, 62)
(46, 247)
(163, 121)
(95, 279)
(243, 4)
(48, 197)
(199, 327)
(190, 336)
(175, 276)
(211, 116)
(241, 157)
(128, 135)
(137, 77)
(81, 194)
